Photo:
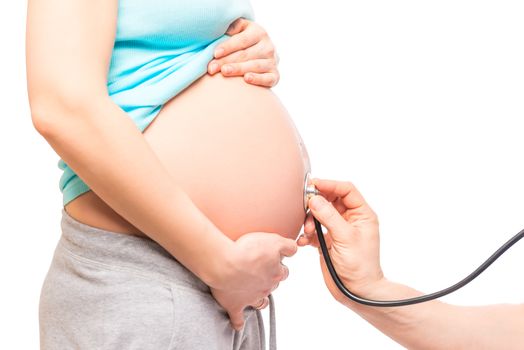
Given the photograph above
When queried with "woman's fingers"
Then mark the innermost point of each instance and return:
(237, 26)
(237, 320)
(245, 34)
(263, 49)
(284, 273)
(257, 59)
(286, 247)
(262, 71)
(249, 52)
(261, 304)
(262, 79)
(260, 65)
(235, 57)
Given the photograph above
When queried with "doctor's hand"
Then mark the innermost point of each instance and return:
(249, 53)
(352, 237)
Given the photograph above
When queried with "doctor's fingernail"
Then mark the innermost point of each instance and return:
(317, 202)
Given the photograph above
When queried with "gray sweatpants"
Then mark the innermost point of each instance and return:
(107, 290)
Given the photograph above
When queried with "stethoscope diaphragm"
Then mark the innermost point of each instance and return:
(309, 190)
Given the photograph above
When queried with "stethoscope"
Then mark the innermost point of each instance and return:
(310, 190)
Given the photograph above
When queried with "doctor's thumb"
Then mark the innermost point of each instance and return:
(328, 216)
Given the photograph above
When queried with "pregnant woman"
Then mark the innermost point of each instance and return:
(177, 210)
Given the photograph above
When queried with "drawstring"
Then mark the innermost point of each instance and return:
(272, 325)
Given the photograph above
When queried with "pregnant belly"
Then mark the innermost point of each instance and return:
(236, 152)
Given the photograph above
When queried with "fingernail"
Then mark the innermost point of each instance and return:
(219, 51)
(317, 202)
(213, 67)
(227, 69)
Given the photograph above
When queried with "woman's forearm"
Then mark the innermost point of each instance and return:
(437, 325)
(103, 146)
(69, 47)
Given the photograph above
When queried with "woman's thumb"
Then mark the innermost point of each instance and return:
(237, 320)
(237, 26)
(328, 216)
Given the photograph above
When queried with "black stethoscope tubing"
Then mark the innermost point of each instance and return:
(416, 300)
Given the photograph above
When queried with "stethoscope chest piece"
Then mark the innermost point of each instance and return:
(309, 191)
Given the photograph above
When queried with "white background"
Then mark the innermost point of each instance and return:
(419, 103)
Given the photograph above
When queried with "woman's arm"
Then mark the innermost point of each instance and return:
(354, 235)
(69, 46)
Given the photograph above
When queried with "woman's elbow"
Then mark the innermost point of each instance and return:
(41, 117)
(52, 112)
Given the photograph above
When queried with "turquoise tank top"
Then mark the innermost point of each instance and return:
(161, 47)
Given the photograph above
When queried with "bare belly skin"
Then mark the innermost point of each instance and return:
(236, 152)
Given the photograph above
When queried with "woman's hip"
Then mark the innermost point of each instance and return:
(116, 291)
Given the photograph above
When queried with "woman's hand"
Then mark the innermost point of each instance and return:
(236, 302)
(252, 270)
(353, 238)
(248, 53)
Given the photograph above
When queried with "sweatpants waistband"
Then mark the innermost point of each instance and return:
(139, 254)
(121, 250)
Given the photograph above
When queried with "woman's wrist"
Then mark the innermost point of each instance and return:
(213, 266)
(221, 270)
